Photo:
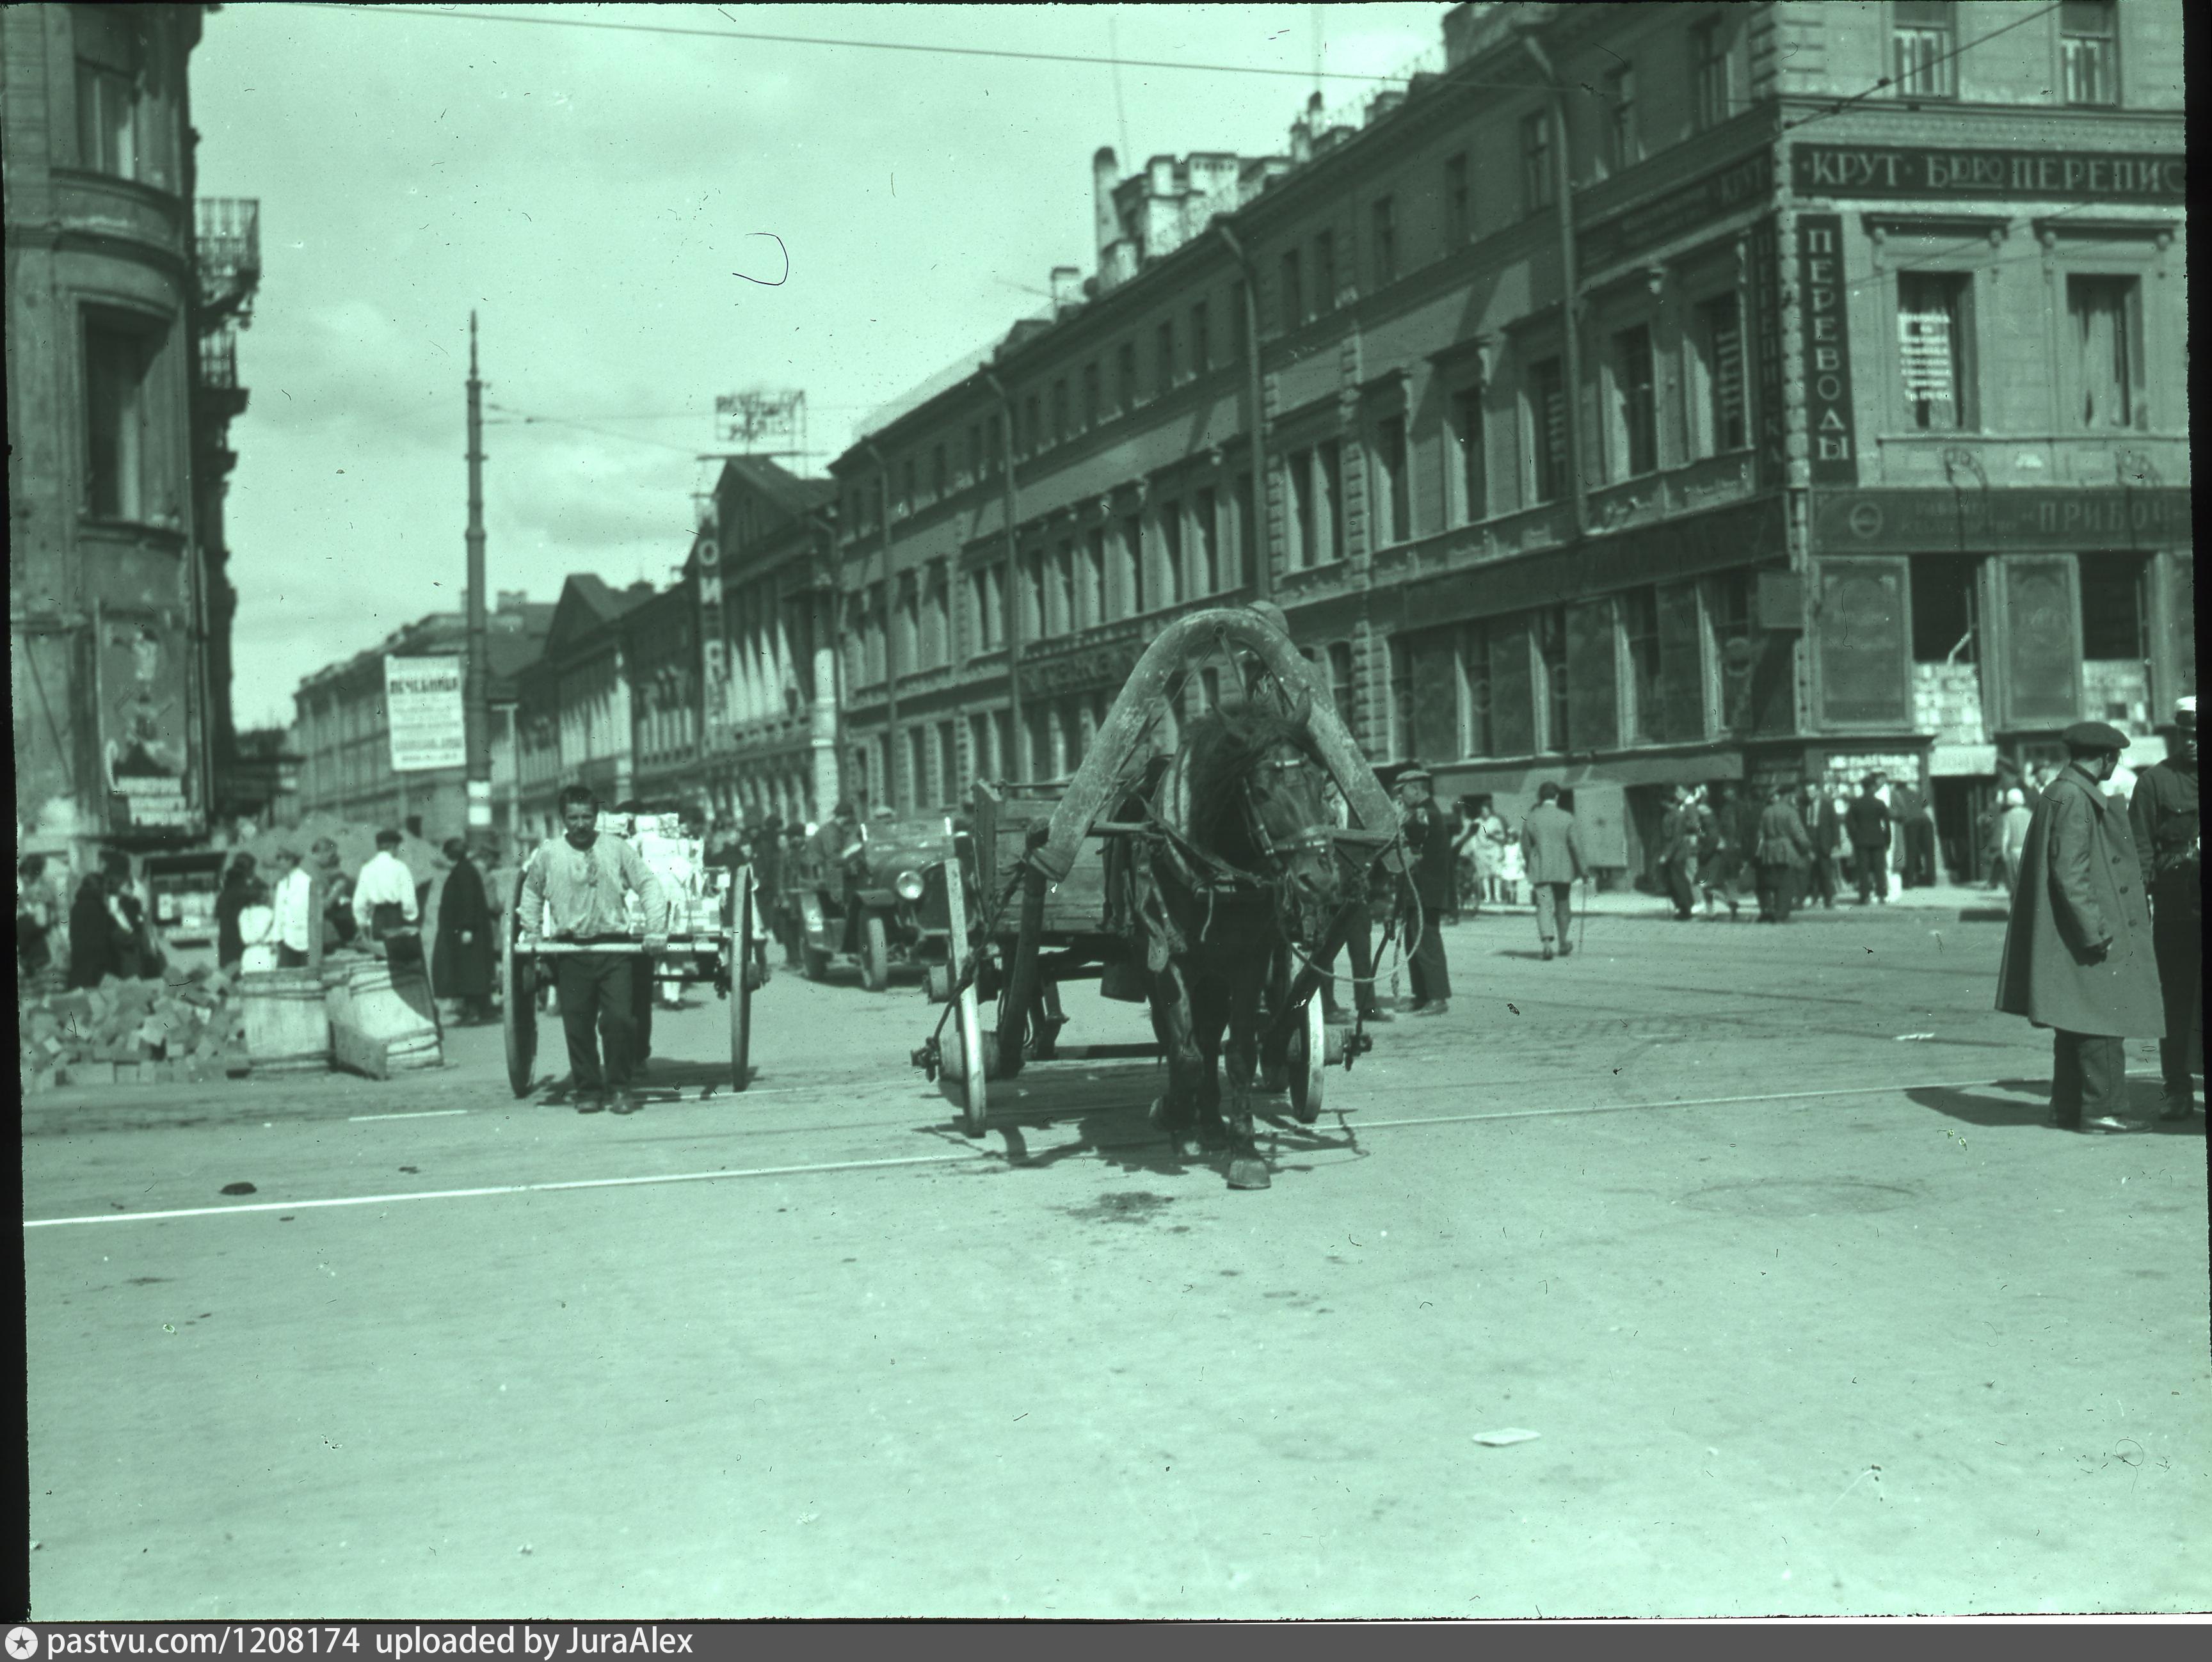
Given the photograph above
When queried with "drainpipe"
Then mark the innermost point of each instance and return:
(1262, 561)
(1569, 283)
(1018, 768)
(890, 634)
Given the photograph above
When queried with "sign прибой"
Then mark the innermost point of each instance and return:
(424, 714)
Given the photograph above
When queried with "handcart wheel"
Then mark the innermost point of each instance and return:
(741, 981)
(518, 981)
(1309, 1064)
(964, 1075)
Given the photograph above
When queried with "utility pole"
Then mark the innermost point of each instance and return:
(477, 681)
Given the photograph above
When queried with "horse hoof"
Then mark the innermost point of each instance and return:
(1248, 1173)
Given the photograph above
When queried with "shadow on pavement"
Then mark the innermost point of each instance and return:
(1976, 1106)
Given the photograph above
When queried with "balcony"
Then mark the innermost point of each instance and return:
(219, 361)
(226, 240)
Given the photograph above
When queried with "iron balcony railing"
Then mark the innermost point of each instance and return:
(219, 360)
(227, 243)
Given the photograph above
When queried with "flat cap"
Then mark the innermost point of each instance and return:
(2094, 736)
(1416, 772)
(2185, 712)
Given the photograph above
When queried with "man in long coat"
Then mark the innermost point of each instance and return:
(2162, 813)
(1429, 834)
(1867, 824)
(1552, 847)
(2077, 952)
(461, 962)
(1678, 853)
(1783, 854)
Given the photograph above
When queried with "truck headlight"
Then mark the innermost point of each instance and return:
(910, 885)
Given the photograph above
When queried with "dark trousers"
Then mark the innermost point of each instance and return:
(1870, 866)
(2179, 949)
(1426, 966)
(2088, 1075)
(1822, 884)
(290, 957)
(1555, 911)
(1678, 887)
(1919, 853)
(1360, 947)
(596, 1005)
(1778, 890)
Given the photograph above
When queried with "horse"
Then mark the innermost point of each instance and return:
(1242, 867)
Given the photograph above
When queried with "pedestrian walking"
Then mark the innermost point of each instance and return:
(2012, 835)
(1916, 827)
(103, 935)
(572, 890)
(461, 961)
(1428, 838)
(1783, 853)
(1867, 824)
(1473, 849)
(1552, 850)
(2162, 816)
(292, 902)
(1491, 840)
(238, 880)
(1713, 853)
(1678, 853)
(1817, 813)
(2077, 950)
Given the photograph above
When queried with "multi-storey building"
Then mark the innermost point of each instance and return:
(1662, 392)
(118, 318)
(575, 708)
(342, 732)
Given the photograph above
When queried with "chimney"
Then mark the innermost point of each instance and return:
(1066, 288)
(1105, 172)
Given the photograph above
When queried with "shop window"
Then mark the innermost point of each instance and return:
(1466, 438)
(2104, 310)
(1458, 218)
(107, 78)
(1717, 341)
(117, 358)
(1945, 609)
(1924, 57)
(1394, 511)
(1713, 74)
(1548, 421)
(1551, 633)
(2112, 606)
(1293, 296)
(1385, 217)
(1535, 161)
(1341, 691)
(1624, 144)
(2089, 47)
(1934, 339)
(1636, 401)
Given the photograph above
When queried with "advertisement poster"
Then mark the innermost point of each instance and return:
(144, 755)
(422, 709)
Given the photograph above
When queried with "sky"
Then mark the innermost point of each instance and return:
(596, 196)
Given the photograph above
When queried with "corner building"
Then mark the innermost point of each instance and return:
(1725, 414)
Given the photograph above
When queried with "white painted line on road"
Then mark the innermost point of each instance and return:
(417, 1113)
(501, 1189)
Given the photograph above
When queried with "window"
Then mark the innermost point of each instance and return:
(1637, 421)
(1535, 161)
(938, 477)
(974, 450)
(1171, 572)
(1341, 691)
(2088, 43)
(1478, 739)
(948, 761)
(1210, 573)
(2104, 312)
(107, 90)
(1459, 222)
(1712, 88)
(987, 592)
(1329, 455)
(115, 364)
(1094, 410)
(1467, 440)
(1032, 428)
(1201, 338)
(2112, 607)
(937, 620)
(907, 494)
(1624, 146)
(1060, 412)
(1163, 355)
(1394, 510)
(1551, 636)
(1093, 608)
(906, 627)
(1325, 272)
(1943, 605)
(1924, 61)
(1548, 422)
(1293, 297)
(980, 732)
(1639, 622)
(1034, 623)
(1248, 533)
(1125, 377)
(1386, 240)
(1304, 530)
(1931, 348)
(991, 457)
(1717, 341)
(917, 766)
(1133, 564)
(1063, 589)
(1402, 696)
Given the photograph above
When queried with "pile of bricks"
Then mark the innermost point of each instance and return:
(188, 1028)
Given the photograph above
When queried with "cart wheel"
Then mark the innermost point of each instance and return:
(940, 983)
(519, 1012)
(875, 955)
(1309, 1048)
(741, 984)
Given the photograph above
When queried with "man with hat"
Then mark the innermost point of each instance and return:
(1429, 834)
(2077, 951)
(2162, 813)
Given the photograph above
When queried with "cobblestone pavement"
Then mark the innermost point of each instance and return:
(1758, 1228)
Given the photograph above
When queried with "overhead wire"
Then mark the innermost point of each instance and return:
(1957, 51)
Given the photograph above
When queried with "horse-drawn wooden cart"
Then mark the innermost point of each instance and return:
(1046, 908)
(715, 937)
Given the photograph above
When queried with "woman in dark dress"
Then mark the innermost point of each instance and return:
(461, 963)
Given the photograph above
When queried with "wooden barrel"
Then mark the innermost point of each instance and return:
(287, 1028)
(381, 1012)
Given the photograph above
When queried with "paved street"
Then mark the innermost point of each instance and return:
(1810, 1315)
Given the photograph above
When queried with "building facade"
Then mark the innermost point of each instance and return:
(119, 609)
(1653, 395)
(575, 712)
(342, 732)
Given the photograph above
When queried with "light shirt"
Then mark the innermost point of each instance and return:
(294, 901)
(257, 928)
(385, 880)
(570, 892)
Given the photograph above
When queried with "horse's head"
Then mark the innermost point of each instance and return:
(1259, 799)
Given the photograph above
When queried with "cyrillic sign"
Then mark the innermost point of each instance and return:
(423, 712)
(1875, 170)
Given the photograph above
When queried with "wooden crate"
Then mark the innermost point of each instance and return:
(1003, 822)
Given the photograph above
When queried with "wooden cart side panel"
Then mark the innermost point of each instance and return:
(1074, 905)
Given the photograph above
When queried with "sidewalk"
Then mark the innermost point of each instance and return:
(1960, 904)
